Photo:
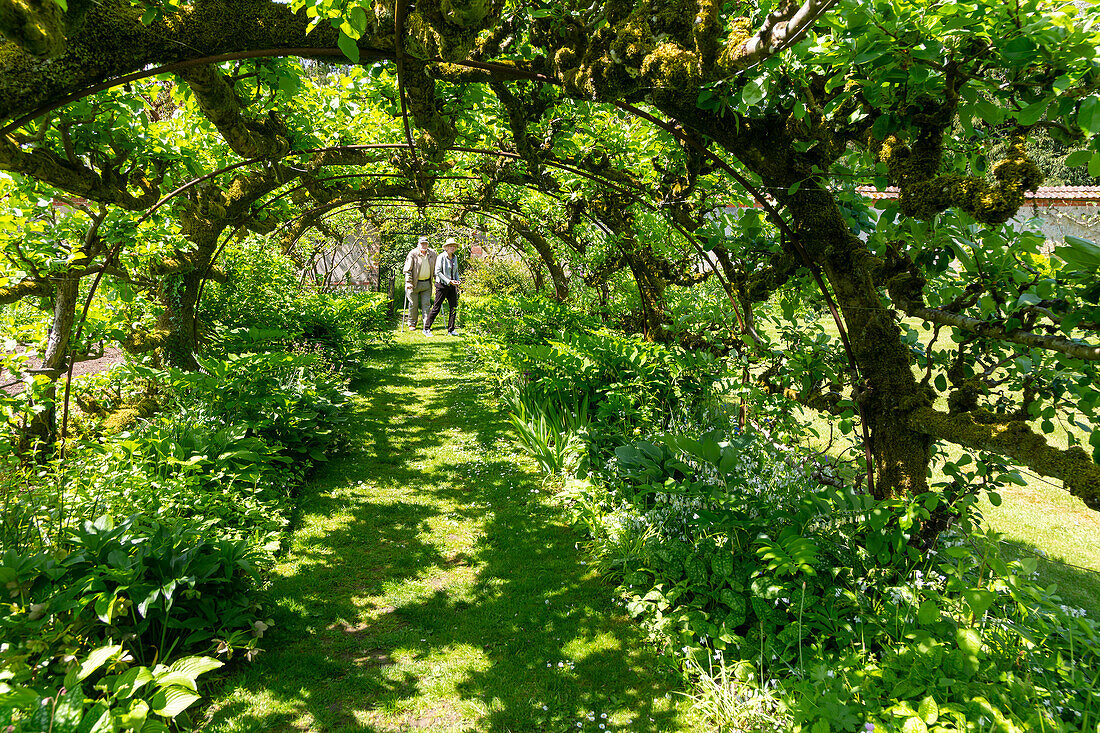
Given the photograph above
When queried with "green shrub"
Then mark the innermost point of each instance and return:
(727, 550)
(532, 319)
(158, 589)
(88, 567)
(263, 301)
(259, 291)
(104, 691)
(291, 401)
(496, 277)
(630, 386)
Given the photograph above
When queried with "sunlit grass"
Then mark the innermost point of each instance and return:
(428, 586)
(1040, 519)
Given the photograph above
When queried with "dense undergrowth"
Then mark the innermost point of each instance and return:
(790, 604)
(135, 564)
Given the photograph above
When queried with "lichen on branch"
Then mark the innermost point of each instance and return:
(923, 193)
(1014, 439)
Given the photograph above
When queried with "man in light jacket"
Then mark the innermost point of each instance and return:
(446, 288)
(419, 270)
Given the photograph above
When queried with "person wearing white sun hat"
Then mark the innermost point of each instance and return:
(447, 283)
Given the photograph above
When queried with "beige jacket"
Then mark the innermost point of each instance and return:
(412, 266)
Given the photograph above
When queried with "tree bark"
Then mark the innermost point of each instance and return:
(42, 429)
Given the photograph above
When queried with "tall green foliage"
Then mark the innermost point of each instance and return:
(149, 543)
(803, 606)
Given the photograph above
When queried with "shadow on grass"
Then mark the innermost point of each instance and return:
(558, 639)
(545, 648)
(1077, 586)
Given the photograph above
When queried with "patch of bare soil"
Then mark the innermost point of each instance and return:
(111, 355)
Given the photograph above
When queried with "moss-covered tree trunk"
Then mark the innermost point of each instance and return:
(651, 287)
(887, 391)
(41, 433)
(548, 258)
(178, 296)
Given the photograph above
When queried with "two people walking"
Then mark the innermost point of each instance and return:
(423, 265)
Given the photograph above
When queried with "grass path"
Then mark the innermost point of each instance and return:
(430, 586)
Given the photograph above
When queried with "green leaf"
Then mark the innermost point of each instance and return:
(1088, 115)
(989, 112)
(1032, 113)
(96, 720)
(185, 671)
(349, 47)
(979, 601)
(929, 612)
(97, 659)
(1094, 165)
(914, 725)
(881, 127)
(1080, 253)
(134, 717)
(962, 252)
(357, 17)
(20, 697)
(1078, 158)
(171, 701)
(753, 91)
(1020, 48)
(969, 640)
(130, 681)
(1028, 299)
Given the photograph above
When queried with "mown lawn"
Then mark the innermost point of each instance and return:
(1040, 519)
(430, 585)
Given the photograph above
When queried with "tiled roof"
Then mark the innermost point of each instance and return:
(1044, 194)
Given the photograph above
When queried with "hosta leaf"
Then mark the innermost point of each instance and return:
(134, 717)
(19, 697)
(185, 671)
(171, 701)
(127, 683)
(96, 660)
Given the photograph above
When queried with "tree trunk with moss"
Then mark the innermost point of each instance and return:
(178, 296)
(886, 390)
(41, 432)
(651, 288)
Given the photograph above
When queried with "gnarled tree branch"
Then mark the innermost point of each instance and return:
(979, 430)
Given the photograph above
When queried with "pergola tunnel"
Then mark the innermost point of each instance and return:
(755, 290)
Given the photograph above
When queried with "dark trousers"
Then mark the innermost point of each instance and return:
(450, 293)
